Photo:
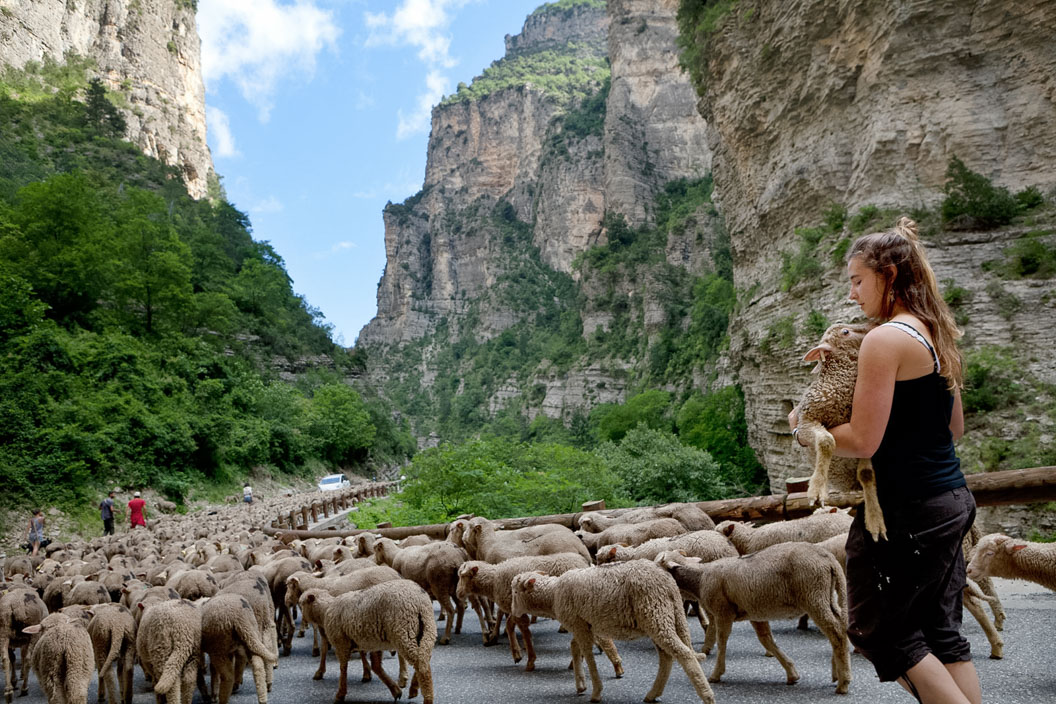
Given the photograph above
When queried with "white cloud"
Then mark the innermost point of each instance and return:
(271, 204)
(220, 127)
(258, 43)
(422, 24)
(418, 121)
(338, 248)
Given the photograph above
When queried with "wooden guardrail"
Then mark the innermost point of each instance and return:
(1014, 486)
(300, 518)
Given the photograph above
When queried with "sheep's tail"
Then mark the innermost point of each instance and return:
(247, 631)
(116, 641)
(170, 672)
(838, 602)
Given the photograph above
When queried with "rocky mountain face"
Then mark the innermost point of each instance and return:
(815, 103)
(556, 155)
(146, 50)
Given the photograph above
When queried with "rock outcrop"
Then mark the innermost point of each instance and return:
(146, 50)
(811, 103)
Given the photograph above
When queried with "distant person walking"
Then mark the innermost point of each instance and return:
(247, 494)
(35, 530)
(106, 512)
(135, 511)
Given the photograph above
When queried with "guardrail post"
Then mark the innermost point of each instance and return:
(315, 512)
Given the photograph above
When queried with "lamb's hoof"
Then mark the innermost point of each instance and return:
(517, 658)
(714, 678)
(315, 652)
(618, 671)
(843, 688)
(316, 676)
(530, 666)
(792, 679)
(366, 678)
(595, 698)
(443, 641)
(8, 697)
(286, 651)
(997, 653)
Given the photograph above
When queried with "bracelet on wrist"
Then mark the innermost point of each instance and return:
(795, 436)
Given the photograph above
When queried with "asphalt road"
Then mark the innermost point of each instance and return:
(465, 672)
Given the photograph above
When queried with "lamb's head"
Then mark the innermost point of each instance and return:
(467, 574)
(524, 586)
(670, 558)
(989, 547)
(841, 341)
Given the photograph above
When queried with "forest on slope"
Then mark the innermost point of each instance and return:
(142, 332)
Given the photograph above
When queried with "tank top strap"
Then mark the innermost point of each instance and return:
(914, 333)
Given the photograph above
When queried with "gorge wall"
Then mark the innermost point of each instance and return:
(145, 50)
(818, 121)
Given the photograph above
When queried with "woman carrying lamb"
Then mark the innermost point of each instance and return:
(904, 593)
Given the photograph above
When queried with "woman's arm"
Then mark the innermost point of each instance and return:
(878, 363)
(957, 418)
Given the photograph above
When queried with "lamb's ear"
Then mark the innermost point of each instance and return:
(531, 582)
(694, 560)
(818, 354)
(32, 629)
(473, 570)
(309, 598)
(1014, 547)
(728, 530)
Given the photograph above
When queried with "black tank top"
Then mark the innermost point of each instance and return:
(916, 458)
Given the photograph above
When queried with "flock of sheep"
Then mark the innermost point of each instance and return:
(195, 600)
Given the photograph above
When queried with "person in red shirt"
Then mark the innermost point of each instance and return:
(135, 511)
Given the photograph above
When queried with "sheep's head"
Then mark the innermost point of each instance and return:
(840, 340)
(987, 548)
(467, 572)
(607, 553)
(728, 528)
(524, 587)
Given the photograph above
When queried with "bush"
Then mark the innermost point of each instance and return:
(973, 201)
(650, 408)
(716, 424)
(1030, 257)
(656, 468)
(991, 380)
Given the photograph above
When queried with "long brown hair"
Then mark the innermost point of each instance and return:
(914, 285)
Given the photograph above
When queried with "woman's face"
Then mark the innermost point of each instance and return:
(867, 287)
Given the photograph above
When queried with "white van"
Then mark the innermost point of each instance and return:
(333, 482)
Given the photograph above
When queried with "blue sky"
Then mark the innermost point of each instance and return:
(318, 114)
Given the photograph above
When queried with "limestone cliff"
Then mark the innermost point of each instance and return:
(811, 103)
(147, 50)
(597, 119)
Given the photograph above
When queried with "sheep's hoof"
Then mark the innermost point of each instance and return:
(516, 659)
(315, 652)
(997, 653)
(443, 641)
(618, 671)
(792, 679)
(366, 677)
(843, 688)
(529, 666)
(317, 676)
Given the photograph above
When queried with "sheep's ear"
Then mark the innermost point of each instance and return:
(530, 583)
(694, 560)
(32, 629)
(612, 551)
(727, 530)
(1015, 547)
(309, 598)
(473, 570)
(818, 354)
(683, 553)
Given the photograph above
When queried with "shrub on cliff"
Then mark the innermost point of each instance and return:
(972, 201)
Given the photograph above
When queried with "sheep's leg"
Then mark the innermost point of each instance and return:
(577, 666)
(485, 621)
(323, 647)
(423, 677)
(762, 631)
(975, 608)
(831, 624)
(401, 678)
(585, 638)
(224, 670)
(874, 516)
(127, 673)
(460, 612)
(986, 586)
(366, 666)
(673, 646)
(523, 623)
(609, 648)
(9, 679)
(190, 673)
(446, 608)
(823, 446)
(260, 678)
(315, 641)
(341, 648)
(511, 633)
(493, 637)
(723, 625)
(375, 665)
(239, 668)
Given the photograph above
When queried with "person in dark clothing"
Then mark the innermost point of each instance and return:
(904, 593)
(106, 512)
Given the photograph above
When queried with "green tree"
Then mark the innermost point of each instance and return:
(338, 423)
(716, 424)
(651, 408)
(656, 468)
(100, 113)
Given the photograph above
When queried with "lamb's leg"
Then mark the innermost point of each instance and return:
(831, 624)
(375, 665)
(493, 637)
(823, 445)
(324, 645)
(723, 624)
(401, 678)
(976, 609)
(671, 646)
(460, 612)
(609, 648)
(585, 638)
(523, 624)
(446, 608)
(485, 621)
(341, 649)
(423, 675)
(511, 633)
(577, 665)
(874, 516)
(224, 670)
(315, 641)
(762, 631)
(366, 666)
(9, 682)
(260, 678)
(986, 585)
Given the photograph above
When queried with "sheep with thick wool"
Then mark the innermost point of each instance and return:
(827, 403)
(999, 555)
(390, 616)
(814, 528)
(168, 644)
(433, 567)
(61, 657)
(228, 626)
(624, 601)
(778, 582)
(706, 544)
(480, 578)
(20, 608)
(113, 633)
(484, 541)
(632, 534)
(689, 515)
